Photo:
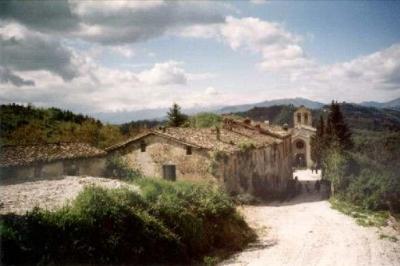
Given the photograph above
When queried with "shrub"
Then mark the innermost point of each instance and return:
(178, 220)
(203, 120)
(246, 145)
(116, 166)
(101, 226)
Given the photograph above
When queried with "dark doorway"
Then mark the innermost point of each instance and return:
(169, 172)
(300, 160)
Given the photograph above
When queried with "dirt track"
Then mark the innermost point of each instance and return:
(19, 197)
(306, 231)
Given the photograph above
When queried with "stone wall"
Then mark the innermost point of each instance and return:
(263, 172)
(160, 151)
(94, 166)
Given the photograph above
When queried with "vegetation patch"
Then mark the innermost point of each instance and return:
(246, 145)
(116, 166)
(182, 222)
(390, 238)
(364, 217)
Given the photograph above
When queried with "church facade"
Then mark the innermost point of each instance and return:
(302, 133)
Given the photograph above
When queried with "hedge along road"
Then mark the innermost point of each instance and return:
(307, 231)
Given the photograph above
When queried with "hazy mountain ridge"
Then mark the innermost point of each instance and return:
(298, 101)
(393, 104)
(160, 113)
(357, 116)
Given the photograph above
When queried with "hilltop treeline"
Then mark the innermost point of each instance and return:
(356, 116)
(26, 125)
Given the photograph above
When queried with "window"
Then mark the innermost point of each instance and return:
(142, 146)
(298, 118)
(169, 172)
(188, 150)
(306, 119)
(300, 144)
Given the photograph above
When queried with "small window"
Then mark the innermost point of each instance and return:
(142, 146)
(169, 172)
(306, 119)
(300, 144)
(298, 118)
(188, 150)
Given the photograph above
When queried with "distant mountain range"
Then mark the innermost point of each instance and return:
(160, 113)
(394, 104)
(290, 101)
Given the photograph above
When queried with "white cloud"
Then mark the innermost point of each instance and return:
(211, 91)
(280, 49)
(164, 74)
(258, 2)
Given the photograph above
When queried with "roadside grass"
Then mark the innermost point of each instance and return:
(362, 216)
(390, 238)
(180, 222)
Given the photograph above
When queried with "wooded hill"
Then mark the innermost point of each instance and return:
(357, 117)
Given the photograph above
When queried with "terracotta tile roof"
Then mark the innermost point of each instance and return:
(230, 138)
(25, 155)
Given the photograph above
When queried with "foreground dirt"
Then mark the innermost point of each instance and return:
(306, 231)
(19, 197)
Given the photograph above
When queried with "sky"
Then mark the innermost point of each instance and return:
(107, 56)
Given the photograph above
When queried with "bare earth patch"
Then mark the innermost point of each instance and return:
(49, 194)
(307, 231)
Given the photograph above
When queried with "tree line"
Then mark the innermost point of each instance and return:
(361, 171)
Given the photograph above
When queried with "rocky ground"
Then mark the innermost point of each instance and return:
(307, 231)
(19, 197)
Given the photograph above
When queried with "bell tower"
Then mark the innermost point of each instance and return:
(302, 116)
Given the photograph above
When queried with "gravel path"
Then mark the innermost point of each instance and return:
(306, 231)
(48, 194)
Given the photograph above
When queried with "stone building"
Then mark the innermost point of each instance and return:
(242, 156)
(301, 137)
(51, 160)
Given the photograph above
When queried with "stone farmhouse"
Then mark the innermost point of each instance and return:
(51, 160)
(243, 156)
(302, 133)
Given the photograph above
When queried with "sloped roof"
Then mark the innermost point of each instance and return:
(230, 139)
(25, 155)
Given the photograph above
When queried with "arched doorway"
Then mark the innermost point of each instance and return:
(300, 160)
(300, 151)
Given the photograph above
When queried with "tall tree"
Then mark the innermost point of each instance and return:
(337, 127)
(175, 117)
(318, 143)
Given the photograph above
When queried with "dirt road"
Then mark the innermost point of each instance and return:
(19, 197)
(306, 231)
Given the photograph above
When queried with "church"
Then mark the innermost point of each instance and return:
(302, 132)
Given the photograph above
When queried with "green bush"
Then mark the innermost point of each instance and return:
(246, 145)
(180, 221)
(101, 226)
(198, 213)
(203, 120)
(116, 166)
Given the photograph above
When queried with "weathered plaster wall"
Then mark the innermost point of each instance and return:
(160, 151)
(262, 172)
(95, 166)
(52, 170)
